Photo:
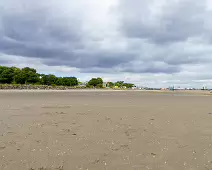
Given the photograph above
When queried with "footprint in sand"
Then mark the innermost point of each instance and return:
(2, 147)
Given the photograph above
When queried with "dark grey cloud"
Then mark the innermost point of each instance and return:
(153, 69)
(56, 40)
(167, 22)
(37, 33)
(150, 67)
(86, 59)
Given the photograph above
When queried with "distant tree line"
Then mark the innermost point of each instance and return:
(14, 75)
(120, 84)
(98, 83)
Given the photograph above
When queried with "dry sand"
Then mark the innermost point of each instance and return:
(96, 130)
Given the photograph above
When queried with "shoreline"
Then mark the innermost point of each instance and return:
(177, 92)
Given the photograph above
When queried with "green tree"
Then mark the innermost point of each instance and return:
(95, 82)
(129, 85)
(2, 68)
(48, 79)
(74, 81)
(119, 83)
(59, 81)
(7, 74)
(110, 84)
(66, 81)
(27, 76)
(100, 81)
(70, 81)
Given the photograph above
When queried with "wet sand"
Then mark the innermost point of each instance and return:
(96, 130)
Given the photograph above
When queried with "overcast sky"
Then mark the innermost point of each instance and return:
(154, 43)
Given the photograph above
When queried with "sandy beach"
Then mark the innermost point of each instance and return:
(105, 130)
